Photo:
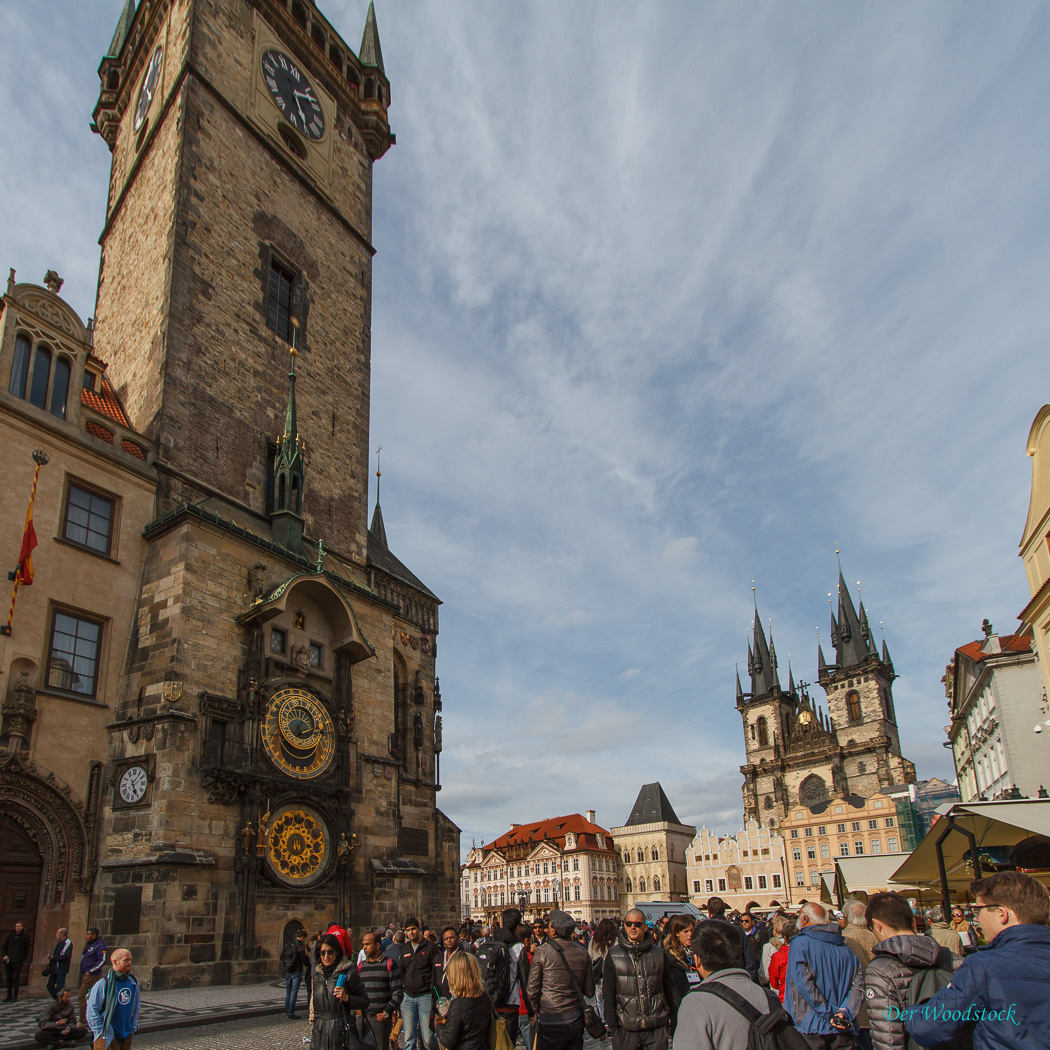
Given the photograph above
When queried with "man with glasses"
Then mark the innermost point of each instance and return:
(539, 931)
(1000, 993)
(418, 956)
(638, 988)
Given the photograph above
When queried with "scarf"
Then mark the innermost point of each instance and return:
(110, 1002)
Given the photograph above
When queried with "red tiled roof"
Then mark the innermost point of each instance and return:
(553, 829)
(106, 403)
(132, 449)
(1008, 643)
(99, 431)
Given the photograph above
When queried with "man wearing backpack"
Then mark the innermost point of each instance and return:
(906, 968)
(293, 960)
(509, 1006)
(1000, 992)
(384, 987)
(823, 985)
(727, 1010)
(494, 961)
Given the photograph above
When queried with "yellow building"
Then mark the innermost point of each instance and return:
(845, 826)
(1035, 544)
(60, 664)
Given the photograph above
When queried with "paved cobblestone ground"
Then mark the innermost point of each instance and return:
(259, 1033)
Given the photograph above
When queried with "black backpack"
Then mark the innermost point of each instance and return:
(770, 1031)
(494, 960)
(925, 983)
(289, 954)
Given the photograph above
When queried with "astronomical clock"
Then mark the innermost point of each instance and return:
(297, 734)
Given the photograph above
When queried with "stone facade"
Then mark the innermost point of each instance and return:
(264, 750)
(845, 826)
(995, 695)
(653, 844)
(798, 753)
(749, 866)
(93, 495)
(563, 862)
(1035, 551)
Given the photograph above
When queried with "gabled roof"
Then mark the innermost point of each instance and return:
(1008, 643)
(552, 829)
(380, 556)
(652, 807)
(106, 403)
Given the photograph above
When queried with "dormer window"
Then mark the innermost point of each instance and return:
(40, 376)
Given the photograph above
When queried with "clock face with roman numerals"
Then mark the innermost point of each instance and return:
(132, 785)
(293, 93)
(148, 89)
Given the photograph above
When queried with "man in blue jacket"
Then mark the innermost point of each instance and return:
(824, 984)
(1000, 992)
(92, 959)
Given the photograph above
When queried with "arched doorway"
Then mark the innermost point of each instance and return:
(21, 870)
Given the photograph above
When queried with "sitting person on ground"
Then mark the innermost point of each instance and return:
(899, 953)
(57, 1025)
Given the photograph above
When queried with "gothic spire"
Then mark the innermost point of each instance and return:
(761, 663)
(886, 655)
(120, 34)
(739, 691)
(371, 54)
(289, 470)
(850, 634)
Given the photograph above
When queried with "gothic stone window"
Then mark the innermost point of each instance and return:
(656, 884)
(46, 383)
(655, 853)
(641, 856)
(763, 733)
(853, 706)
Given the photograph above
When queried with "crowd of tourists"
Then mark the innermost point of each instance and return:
(876, 976)
(805, 979)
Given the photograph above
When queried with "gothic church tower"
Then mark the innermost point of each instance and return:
(799, 754)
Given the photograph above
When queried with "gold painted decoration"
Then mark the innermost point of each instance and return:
(298, 734)
(297, 845)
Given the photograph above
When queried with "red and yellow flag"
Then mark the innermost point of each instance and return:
(24, 573)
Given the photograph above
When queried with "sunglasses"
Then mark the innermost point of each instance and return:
(633, 924)
(326, 951)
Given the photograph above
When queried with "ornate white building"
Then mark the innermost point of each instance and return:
(562, 862)
(750, 866)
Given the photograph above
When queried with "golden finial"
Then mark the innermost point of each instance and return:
(293, 349)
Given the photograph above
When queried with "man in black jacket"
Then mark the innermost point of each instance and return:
(559, 965)
(716, 910)
(15, 952)
(507, 935)
(638, 989)
(383, 986)
(58, 962)
(418, 956)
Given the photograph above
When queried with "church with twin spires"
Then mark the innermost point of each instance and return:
(801, 754)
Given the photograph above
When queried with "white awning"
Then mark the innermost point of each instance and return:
(993, 824)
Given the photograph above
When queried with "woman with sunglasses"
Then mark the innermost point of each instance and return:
(337, 991)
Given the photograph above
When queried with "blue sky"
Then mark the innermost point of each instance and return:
(668, 298)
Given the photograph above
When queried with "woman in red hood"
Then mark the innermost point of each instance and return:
(343, 937)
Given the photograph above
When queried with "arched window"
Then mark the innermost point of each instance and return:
(281, 493)
(641, 855)
(626, 857)
(768, 802)
(60, 388)
(41, 377)
(627, 885)
(853, 706)
(656, 884)
(641, 885)
(296, 508)
(671, 851)
(654, 853)
(763, 733)
(20, 367)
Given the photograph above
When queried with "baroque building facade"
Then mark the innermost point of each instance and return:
(995, 694)
(798, 753)
(272, 711)
(653, 843)
(1035, 553)
(565, 862)
(749, 866)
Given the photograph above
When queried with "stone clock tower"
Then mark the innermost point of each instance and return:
(273, 759)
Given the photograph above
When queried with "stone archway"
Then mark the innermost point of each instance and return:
(21, 868)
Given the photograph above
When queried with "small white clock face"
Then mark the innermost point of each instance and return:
(149, 86)
(132, 784)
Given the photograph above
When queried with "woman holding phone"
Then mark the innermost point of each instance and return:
(337, 991)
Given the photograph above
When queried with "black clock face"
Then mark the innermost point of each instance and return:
(149, 87)
(293, 93)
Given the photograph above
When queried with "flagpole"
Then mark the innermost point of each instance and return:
(40, 458)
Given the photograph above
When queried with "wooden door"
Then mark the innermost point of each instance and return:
(21, 867)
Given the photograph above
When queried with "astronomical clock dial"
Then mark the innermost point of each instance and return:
(298, 845)
(148, 89)
(298, 734)
(132, 784)
(293, 93)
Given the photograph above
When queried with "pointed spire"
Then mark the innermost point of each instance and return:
(377, 528)
(821, 662)
(761, 661)
(289, 470)
(851, 646)
(371, 53)
(739, 691)
(791, 678)
(127, 16)
(886, 655)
